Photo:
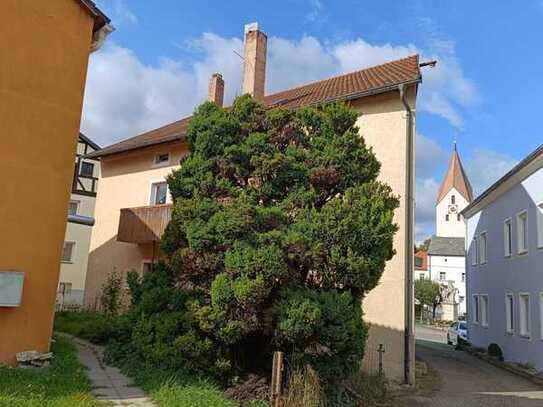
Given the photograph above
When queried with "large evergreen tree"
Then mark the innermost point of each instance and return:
(279, 229)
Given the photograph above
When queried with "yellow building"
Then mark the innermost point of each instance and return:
(44, 52)
(75, 252)
(133, 205)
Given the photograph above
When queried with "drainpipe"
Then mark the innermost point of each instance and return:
(409, 221)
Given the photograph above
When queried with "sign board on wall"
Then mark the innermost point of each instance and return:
(11, 288)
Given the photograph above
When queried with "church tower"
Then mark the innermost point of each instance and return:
(454, 195)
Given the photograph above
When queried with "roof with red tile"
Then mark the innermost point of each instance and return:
(455, 178)
(365, 82)
(422, 262)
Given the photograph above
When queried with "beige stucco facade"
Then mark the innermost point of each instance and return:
(383, 125)
(127, 177)
(125, 182)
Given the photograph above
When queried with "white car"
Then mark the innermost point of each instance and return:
(457, 333)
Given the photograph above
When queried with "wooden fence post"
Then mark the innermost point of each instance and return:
(276, 379)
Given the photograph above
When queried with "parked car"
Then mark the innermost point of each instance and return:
(457, 333)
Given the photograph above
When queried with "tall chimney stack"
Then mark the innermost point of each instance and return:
(254, 63)
(215, 91)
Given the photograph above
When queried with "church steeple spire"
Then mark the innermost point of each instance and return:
(455, 178)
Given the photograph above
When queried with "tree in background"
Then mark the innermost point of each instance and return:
(428, 294)
(279, 229)
(424, 246)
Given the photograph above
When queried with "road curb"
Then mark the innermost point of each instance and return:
(504, 366)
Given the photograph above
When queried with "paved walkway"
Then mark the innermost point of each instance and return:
(108, 383)
(470, 382)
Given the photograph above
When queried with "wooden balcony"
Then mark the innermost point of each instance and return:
(145, 224)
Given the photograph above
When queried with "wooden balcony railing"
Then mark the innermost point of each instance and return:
(145, 224)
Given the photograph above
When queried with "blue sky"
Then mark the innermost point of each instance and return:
(486, 90)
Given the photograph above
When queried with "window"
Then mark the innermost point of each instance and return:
(540, 225)
(65, 288)
(463, 277)
(87, 169)
(458, 217)
(162, 159)
(524, 315)
(474, 252)
(475, 310)
(509, 304)
(146, 267)
(522, 232)
(421, 276)
(482, 248)
(461, 299)
(159, 192)
(507, 238)
(442, 276)
(447, 217)
(73, 207)
(68, 252)
(453, 199)
(484, 310)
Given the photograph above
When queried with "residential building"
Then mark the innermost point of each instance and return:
(44, 49)
(421, 265)
(505, 253)
(75, 252)
(446, 254)
(133, 204)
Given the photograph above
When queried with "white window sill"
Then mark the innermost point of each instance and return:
(525, 336)
(67, 261)
(510, 332)
(523, 253)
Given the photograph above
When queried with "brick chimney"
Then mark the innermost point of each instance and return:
(254, 63)
(215, 91)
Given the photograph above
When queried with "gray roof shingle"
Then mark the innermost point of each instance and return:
(446, 246)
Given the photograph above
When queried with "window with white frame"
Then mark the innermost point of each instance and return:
(421, 276)
(463, 277)
(507, 238)
(146, 267)
(522, 232)
(73, 207)
(162, 159)
(482, 248)
(475, 309)
(453, 200)
(159, 193)
(65, 288)
(540, 225)
(524, 314)
(474, 252)
(484, 310)
(68, 252)
(442, 276)
(509, 313)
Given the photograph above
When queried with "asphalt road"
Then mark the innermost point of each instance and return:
(466, 381)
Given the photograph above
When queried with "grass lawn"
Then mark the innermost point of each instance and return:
(63, 384)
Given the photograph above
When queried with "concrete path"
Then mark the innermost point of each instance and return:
(108, 383)
(470, 382)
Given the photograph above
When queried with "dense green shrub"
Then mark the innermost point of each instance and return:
(279, 228)
(92, 326)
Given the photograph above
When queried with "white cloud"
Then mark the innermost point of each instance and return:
(425, 201)
(429, 156)
(316, 8)
(486, 166)
(125, 96)
(118, 11)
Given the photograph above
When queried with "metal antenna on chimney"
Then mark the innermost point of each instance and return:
(242, 70)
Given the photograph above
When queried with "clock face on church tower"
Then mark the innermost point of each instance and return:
(453, 209)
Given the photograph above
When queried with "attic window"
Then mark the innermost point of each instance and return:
(453, 199)
(162, 159)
